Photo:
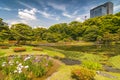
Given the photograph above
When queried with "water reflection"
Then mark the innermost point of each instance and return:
(108, 49)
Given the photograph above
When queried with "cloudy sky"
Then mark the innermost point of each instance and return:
(48, 12)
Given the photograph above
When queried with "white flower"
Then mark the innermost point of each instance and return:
(15, 71)
(26, 67)
(11, 64)
(18, 68)
(19, 71)
(27, 58)
(17, 62)
(3, 65)
(20, 64)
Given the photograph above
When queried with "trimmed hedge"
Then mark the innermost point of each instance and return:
(4, 47)
(19, 49)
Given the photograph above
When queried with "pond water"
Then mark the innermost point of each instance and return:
(108, 49)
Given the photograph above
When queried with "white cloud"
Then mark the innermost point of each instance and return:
(48, 15)
(11, 22)
(5, 8)
(57, 6)
(116, 8)
(26, 14)
(45, 14)
(57, 18)
(79, 19)
(82, 17)
(75, 12)
(24, 4)
(67, 15)
(40, 27)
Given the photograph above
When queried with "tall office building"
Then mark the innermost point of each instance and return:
(103, 9)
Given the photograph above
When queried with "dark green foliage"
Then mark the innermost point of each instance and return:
(21, 32)
(4, 31)
(103, 29)
(39, 33)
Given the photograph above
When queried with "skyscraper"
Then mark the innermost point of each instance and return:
(104, 9)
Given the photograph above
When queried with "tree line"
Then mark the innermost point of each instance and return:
(103, 29)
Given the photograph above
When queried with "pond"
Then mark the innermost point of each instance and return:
(108, 49)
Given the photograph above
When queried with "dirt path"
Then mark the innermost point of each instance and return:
(106, 75)
(111, 69)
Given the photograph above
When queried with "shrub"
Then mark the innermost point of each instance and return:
(37, 49)
(92, 65)
(20, 49)
(2, 53)
(24, 67)
(83, 74)
(4, 47)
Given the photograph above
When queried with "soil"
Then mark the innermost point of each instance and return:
(111, 69)
(1, 76)
(68, 61)
(106, 75)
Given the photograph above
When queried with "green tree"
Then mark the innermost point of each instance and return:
(76, 29)
(4, 31)
(91, 33)
(61, 29)
(38, 33)
(52, 37)
(22, 32)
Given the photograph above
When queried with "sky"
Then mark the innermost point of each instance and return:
(44, 13)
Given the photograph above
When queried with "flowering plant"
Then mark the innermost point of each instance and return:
(20, 67)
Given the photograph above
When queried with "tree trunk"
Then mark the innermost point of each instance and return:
(17, 43)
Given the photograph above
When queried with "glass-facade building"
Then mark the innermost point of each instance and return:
(103, 9)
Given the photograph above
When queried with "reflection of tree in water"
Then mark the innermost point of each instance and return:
(107, 48)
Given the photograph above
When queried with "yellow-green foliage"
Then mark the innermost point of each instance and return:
(2, 53)
(91, 57)
(83, 74)
(92, 65)
(114, 61)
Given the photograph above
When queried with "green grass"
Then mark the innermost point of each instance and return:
(53, 53)
(2, 53)
(64, 73)
(91, 57)
(114, 61)
(29, 51)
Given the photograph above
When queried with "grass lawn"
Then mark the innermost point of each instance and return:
(64, 72)
(115, 61)
(29, 51)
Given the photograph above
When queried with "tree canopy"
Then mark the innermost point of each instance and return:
(103, 28)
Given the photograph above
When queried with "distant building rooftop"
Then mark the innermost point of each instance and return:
(104, 9)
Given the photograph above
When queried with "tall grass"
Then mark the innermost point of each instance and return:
(2, 53)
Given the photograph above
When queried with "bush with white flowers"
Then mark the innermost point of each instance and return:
(20, 67)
